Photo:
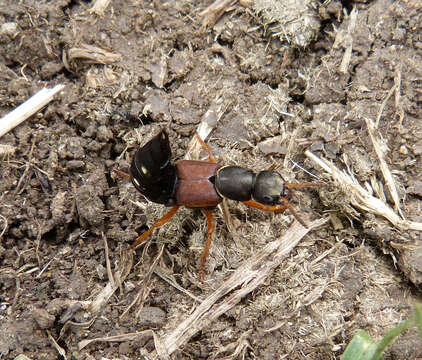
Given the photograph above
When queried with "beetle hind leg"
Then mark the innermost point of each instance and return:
(157, 224)
(210, 220)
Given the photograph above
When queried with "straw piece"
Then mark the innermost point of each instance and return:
(28, 108)
(381, 149)
(99, 7)
(361, 198)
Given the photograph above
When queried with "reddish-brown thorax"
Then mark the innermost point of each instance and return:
(194, 189)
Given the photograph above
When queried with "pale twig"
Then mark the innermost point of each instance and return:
(107, 259)
(99, 7)
(63, 251)
(384, 103)
(7, 149)
(4, 226)
(60, 350)
(398, 103)
(145, 289)
(295, 164)
(237, 347)
(115, 338)
(120, 275)
(214, 11)
(28, 108)
(170, 281)
(348, 41)
(90, 54)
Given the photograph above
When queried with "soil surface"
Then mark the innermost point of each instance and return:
(67, 219)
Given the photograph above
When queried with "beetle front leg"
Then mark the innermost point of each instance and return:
(278, 209)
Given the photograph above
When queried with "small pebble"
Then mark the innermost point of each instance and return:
(43, 318)
(403, 150)
(151, 316)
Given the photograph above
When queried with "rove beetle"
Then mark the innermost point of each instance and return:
(204, 184)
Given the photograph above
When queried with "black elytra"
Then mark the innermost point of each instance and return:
(152, 171)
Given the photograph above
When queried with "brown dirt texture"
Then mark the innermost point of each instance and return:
(349, 90)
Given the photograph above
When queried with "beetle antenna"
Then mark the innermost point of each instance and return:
(301, 185)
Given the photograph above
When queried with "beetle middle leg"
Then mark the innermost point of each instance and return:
(157, 224)
(206, 148)
(210, 220)
(278, 209)
(122, 174)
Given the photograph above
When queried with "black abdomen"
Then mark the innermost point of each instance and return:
(235, 182)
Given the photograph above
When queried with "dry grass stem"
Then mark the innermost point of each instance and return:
(398, 102)
(107, 259)
(7, 150)
(120, 275)
(60, 350)
(214, 11)
(146, 288)
(173, 283)
(361, 198)
(252, 273)
(28, 108)
(4, 219)
(292, 144)
(160, 348)
(348, 41)
(237, 347)
(115, 338)
(90, 55)
(384, 103)
(381, 149)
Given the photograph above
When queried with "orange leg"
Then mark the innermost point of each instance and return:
(206, 148)
(122, 174)
(278, 209)
(210, 220)
(158, 223)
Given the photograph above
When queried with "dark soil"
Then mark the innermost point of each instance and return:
(60, 200)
